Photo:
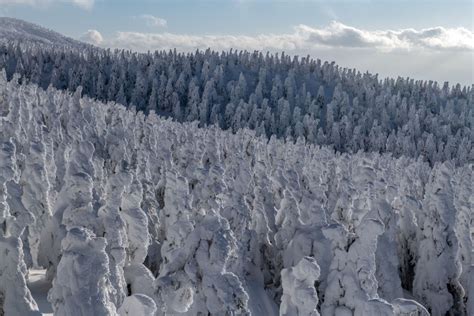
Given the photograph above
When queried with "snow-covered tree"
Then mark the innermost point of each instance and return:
(299, 295)
(439, 248)
(153, 214)
(159, 81)
(15, 298)
(81, 285)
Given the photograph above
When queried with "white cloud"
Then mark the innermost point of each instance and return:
(84, 4)
(153, 20)
(92, 37)
(150, 41)
(335, 35)
(436, 38)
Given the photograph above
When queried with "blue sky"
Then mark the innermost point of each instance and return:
(241, 17)
(439, 44)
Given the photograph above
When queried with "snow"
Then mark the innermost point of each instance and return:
(81, 285)
(137, 304)
(299, 294)
(39, 287)
(260, 301)
(273, 94)
(12, 30)
(138, 214)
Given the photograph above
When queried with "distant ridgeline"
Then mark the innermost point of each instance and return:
(289, 97)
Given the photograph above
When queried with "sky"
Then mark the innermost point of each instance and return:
(421, 39)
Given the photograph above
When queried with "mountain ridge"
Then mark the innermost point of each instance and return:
(12, 29)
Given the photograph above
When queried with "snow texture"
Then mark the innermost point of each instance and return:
(272, 94)
(134, 214)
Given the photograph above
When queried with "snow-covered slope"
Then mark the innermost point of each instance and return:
(15, 30)
(139, 215)
(276, 95)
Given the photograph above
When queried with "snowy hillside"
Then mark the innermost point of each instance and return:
(230, 183)
(279, 95)
(138, 215)
(15, 30)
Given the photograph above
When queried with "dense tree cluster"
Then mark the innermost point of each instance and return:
(136, 214)
(271, 94)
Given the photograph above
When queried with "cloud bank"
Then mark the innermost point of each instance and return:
(437, 38)
(335, 35)
(84, 4)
